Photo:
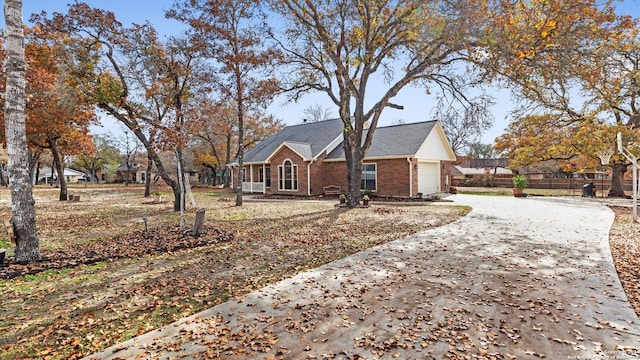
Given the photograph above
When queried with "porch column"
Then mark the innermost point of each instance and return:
(264, 178)
(251, 176)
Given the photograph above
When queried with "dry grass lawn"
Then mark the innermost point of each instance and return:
(71, 312)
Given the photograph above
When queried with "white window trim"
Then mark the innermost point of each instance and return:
(376, 177)
(294, 176)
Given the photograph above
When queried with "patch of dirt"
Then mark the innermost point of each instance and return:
(624, 240)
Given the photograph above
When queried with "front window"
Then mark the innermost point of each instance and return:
(368, 179)
(265, 179)
(288, 176)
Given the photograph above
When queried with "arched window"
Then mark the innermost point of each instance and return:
(288, 176)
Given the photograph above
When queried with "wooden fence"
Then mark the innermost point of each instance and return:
(567, 184)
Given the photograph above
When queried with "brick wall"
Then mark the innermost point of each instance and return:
(392, 175)
(445, 169)
(278, 160)
(335, 173)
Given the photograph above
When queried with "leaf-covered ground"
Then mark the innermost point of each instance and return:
(130, 281)
(624, 240)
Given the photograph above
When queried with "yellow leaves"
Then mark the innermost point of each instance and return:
(108, 89)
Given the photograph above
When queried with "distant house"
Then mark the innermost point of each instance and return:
(477, 169)
(46, 176)
(308, 159)
(136, 171)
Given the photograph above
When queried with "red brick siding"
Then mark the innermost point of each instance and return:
(277, 160)
(445, 167)
(392, 175)
(335, 173)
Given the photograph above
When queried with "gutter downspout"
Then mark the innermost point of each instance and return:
(410, 177)
(309, 177)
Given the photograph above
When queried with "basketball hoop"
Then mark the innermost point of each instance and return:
(605, 156)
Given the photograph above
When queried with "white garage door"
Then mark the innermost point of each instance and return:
(428, 177)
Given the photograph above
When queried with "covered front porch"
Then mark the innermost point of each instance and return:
(257, 178)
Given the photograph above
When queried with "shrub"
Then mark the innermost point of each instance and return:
(519, 182)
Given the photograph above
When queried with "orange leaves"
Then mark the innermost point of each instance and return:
(55, 109)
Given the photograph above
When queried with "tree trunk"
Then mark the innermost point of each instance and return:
(240, 151)
(22, 204)
(198, 225)
(127, 173)
(57, 162)
(93, 170)
(617, 180)
(181, 185)
(34, 169)
(353, 157)
(228, 175)
(3, 181)
(147, 179)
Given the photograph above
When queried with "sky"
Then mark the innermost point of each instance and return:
(417, 104)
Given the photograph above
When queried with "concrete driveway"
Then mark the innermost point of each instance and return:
(516, 278)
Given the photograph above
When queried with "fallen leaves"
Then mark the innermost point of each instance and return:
(625, 248)
(153, 278)
(132, 245)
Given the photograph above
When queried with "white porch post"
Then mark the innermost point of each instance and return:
(264, 178)
(251, 176)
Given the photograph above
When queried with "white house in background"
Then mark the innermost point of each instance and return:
(46, 176)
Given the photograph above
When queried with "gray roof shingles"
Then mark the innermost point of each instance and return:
(307, 138)
(395, 140)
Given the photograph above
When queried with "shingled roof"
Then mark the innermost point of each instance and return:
(308, 139)
(395, 140)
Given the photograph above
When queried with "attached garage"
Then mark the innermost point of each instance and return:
(428, 177)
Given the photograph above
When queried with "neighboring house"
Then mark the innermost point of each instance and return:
(137, 173)
(45, 176)
(477, 169)
(308, 159)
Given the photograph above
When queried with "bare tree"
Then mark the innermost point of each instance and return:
(231, 32)
(464, 124)
(317, 112)
(341, 47)
(130, 146)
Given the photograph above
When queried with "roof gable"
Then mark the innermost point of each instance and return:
(307, 139)
(302, 149)
(436, 146)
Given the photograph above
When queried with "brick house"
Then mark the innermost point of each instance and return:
(308, 159)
